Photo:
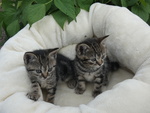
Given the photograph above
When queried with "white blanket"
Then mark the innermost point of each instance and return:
(128, 43)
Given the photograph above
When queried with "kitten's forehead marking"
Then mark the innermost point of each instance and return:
(43, 60)
(44, 68)
(96, 47)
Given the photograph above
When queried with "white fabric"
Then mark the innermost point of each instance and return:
(128, 43)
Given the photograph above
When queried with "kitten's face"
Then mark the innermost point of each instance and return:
(41, 63)
(91, 54)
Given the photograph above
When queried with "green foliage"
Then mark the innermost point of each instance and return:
(84, 4)
(13, 28)
(33, 13)
(60, 21)
(16, 14)
(66, 7)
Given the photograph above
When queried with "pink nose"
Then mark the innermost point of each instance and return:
(44, 75)
(99, 61)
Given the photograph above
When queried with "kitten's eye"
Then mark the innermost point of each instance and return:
(103, 56)
(50, 69)
(93, 60)
(38, 71)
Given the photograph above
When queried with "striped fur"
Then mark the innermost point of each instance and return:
(91, 65)
(65, 70)
(40, 65)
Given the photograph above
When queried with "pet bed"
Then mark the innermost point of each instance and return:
(128, 43)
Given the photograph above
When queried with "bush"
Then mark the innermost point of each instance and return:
(16, 14)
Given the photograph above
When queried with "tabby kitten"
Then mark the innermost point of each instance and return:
(91, 65)
(65, 70)
(40, 65)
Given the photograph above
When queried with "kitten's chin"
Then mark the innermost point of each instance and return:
(95, 67)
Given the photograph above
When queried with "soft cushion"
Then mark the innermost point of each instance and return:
(128, 43)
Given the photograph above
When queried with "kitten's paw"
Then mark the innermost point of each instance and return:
(72, 84)
(95, 93)
(50, 98)
(79, 90)
(33, 96)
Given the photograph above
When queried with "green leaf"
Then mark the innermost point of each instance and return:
(84, 4)
(147, 1)
(131, 2)
(148, 20)
(116, 2)
(43, 1)
(146, 7)
(23, 19)
(124, 3)
(48, 5)
(1, 16)
(77, 10)
(13, 28)
(60, 18)
(143, 2)
(25, 3)
(9, 16)
(33, 13)
(7, 4)
(103, 1)
(69, 19)
(140, 12)
(52, 9)
(127, 3)
(19, 4)
(67, 7)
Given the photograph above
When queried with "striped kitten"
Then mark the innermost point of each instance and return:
(91, 65)
(40, 65)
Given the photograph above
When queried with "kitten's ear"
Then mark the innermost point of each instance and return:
(28, 57)
(102, 38)
(81, 49)
(53, 53)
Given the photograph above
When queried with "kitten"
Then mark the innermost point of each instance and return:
(65, 70)
(40, 65)
(91, 65)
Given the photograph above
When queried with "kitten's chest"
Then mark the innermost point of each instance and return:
(44, 83)
(90, 76)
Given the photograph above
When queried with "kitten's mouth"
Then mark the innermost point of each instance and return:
(44, 76)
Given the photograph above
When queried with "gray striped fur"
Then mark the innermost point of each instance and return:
(40, 65)
(91, 65)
